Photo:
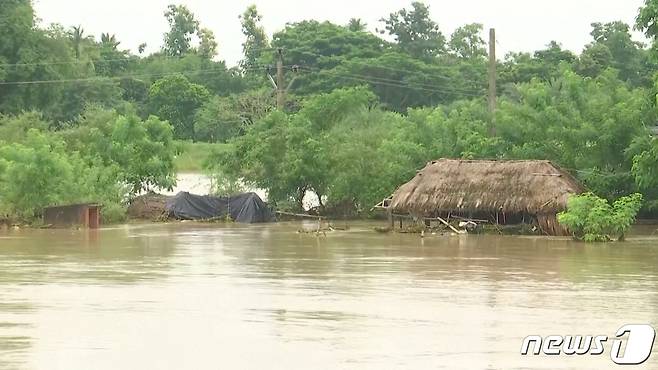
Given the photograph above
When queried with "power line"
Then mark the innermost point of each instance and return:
(429, 65)
(377, 81)
(92, 61)
(356, 77)
(447, 78)
(394, 83)
(364, 63)
(112, 78)
(61, 62)
(65, 63)
(415, 83)
(129, 58)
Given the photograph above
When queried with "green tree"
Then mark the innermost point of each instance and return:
(111, 61)
(207, 44)
(312, 44)
(256, 40)
(595, 59)
(78, 39)
(647, 19)
(176, 99)
(141, 153)
(16, 26)
(182, 26)
(24, 190)
(372, 153)
(467, 43)
(109, 40)
(213, 75)
(356, 25)
(415, 32)
(593, 219)
(544, 64)
(253, 105)
(290, 154)
(584, 124)
(31, 54)
(217, 121)
(222, 118)
(14, 129)
(613, 47)
(144, 152)
(400, 81)
(75, 97)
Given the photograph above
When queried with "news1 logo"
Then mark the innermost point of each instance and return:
(636, 348)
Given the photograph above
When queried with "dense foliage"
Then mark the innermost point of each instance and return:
(594, 219)
(105, 157)
(364, 110)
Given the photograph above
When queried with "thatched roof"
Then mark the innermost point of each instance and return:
(447, 185)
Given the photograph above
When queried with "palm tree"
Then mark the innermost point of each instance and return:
(109, 41)
(356, 25)
(77, 36)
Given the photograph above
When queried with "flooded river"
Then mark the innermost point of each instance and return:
(190, 296)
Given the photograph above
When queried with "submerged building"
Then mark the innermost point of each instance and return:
(503, 192)
(86, 215)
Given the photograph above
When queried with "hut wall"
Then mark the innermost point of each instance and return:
(549, 225)
(72, 215)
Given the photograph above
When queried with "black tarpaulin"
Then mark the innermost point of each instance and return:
(245, 208)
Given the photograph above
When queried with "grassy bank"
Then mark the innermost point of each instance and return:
(191, 156)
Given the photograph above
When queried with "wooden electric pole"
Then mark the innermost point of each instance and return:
(492, 81)
(280, 86)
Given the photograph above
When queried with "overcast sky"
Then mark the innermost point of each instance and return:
(521, 25)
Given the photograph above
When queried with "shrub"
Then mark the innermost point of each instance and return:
(594, 219)
(142, 151)
(41, 172)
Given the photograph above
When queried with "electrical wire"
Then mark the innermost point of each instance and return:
(439, 66)
(129, 58)
(393, 83)
(415, 83)
(402, 70)
(113, 78)
(434, 75)
(355, 77)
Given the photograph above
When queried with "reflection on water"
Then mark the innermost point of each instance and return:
(174, 296)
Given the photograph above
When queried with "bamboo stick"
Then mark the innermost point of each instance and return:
(450, 226)
(299, 215)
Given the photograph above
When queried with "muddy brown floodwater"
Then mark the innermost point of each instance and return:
(190, 296)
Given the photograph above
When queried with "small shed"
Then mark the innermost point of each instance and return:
(505, 192)
(85, 215)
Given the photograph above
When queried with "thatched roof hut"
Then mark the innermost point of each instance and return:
(485, 187)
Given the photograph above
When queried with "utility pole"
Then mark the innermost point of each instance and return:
(492, 81)
(279, 84)
(280, 87)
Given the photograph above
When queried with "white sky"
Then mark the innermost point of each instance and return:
(521, 25)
